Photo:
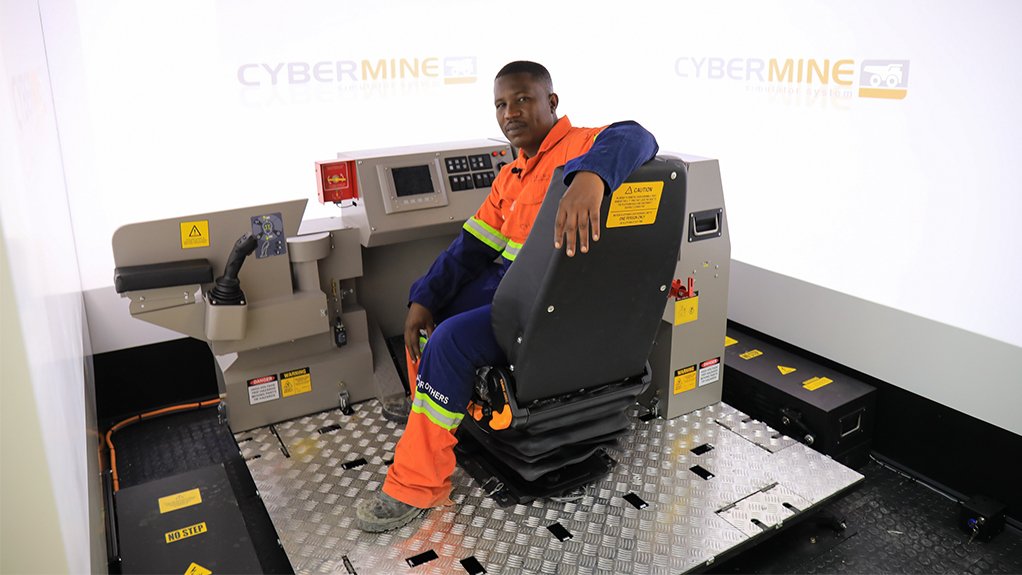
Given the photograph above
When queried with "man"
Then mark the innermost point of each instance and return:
(451, 303)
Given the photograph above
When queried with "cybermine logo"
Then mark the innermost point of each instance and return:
(450, 69)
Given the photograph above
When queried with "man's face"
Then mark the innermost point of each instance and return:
(526, 110)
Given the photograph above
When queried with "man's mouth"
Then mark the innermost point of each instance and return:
(514, 127)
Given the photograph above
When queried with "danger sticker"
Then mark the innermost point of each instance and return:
(263, 389)
(709, 371)
(180, 500)
(195, 234)
(295, 382)
(684, 379)
(634, 204)
(186, 532)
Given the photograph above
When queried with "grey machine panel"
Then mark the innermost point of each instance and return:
(688, 356)
(333, 460)
(299, 344)
(401, 189)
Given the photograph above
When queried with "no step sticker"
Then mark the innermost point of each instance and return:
(186, 532)
(634, 204)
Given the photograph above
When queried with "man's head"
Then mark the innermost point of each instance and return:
(523, 94)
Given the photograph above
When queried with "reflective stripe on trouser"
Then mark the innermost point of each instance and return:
(424, 457)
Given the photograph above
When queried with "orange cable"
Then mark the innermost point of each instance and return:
(140, 417)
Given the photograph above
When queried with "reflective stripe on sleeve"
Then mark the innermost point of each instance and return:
(425, 405)
(511, 252)
(485, 233)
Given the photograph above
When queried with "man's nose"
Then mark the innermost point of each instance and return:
(512, 111)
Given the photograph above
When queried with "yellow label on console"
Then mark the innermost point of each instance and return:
(180, 500)
(295, 381)
(752, 353)
(634, 204)
(686, 310)
(729, 341)
(195, 234)
(684, 379)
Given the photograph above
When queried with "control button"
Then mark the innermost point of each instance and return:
(483, 179)
(456, 164)
(480, 162)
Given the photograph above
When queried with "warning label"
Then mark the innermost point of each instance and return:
(709, 371)
(815, 383)
(186, 532)
(263, 389)
(180, 500)
(785, 370)
(752, 353)
(684, 379)
(195, 234)
(728, 341)
(295, 381)
(196, 569)
(686, 310)
(634, 204)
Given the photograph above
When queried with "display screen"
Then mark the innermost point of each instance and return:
(412, 181)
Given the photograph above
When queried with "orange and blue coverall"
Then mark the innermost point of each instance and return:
(458, 289)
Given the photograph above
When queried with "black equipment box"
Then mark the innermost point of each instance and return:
(828, 411)
(189, 523)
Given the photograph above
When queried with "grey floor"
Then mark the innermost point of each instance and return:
(893, 524)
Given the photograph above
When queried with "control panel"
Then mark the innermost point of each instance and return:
(419, 191)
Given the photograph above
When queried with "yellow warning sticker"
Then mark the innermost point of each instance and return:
(684, 379)
(785, 370)
(634, 204)
(180, 500)
(686, 310)
(729, 341)
(195, 234)
(186, 532)
(295, 382)
(752, 353)
(196, 569)
(815, 383)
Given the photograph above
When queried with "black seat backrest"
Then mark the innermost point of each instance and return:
(571, 323)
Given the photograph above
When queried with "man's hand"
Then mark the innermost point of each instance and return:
(419, 317)
(578, 213)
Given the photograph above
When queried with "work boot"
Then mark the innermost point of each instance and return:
(381, 512)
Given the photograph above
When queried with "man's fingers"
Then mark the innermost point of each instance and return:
(594, 223)
(583, 232)
(559, 220)
(571, 230)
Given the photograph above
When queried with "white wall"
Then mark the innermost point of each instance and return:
(192, 106)
(49, 428)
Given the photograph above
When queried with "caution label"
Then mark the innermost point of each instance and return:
(196, 569)
(180, 500)
(634, 204)
(785, 370)
(709, 371)
(728, 341)
(815, 383)
(686, 310)
(263, 389)
(295, 381)
(752, 353)
(195, 234)
(684, 379)
(186, 532)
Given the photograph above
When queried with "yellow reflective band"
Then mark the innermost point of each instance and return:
(425, 405)
(512, 250)
(485, 233)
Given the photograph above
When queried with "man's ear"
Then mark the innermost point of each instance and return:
(553, 103)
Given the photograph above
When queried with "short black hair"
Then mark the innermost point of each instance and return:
(537, 71)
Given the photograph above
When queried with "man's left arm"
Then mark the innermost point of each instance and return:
(617, 151)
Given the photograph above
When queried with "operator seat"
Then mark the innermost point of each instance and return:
(577, 333)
